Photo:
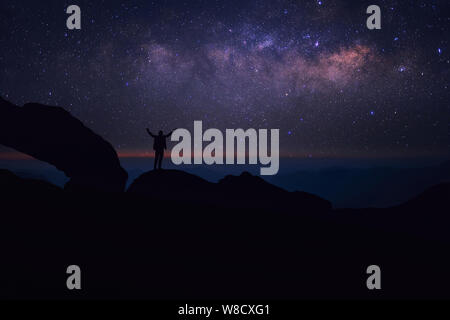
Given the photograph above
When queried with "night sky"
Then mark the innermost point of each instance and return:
(310, 68)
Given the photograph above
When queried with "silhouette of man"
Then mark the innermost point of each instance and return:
(159, 145)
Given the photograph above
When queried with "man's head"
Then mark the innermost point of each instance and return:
(160, 133)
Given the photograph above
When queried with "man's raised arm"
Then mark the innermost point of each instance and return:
(148, 131)
(170, 133)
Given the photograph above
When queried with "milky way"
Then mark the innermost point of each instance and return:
(310, 68)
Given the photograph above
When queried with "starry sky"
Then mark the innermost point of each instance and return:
(310, 68)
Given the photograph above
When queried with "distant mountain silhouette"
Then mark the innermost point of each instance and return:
(425, 215)
(365, 187)
(53, 135)
(435, 199)
(241, 191)
(12, 184)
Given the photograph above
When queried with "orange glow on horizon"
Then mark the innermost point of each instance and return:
(140, 154)
(16, 155)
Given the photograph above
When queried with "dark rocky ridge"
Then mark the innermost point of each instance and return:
(241, 191)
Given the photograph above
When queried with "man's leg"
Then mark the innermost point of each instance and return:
(156, 160)
(161, 156)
